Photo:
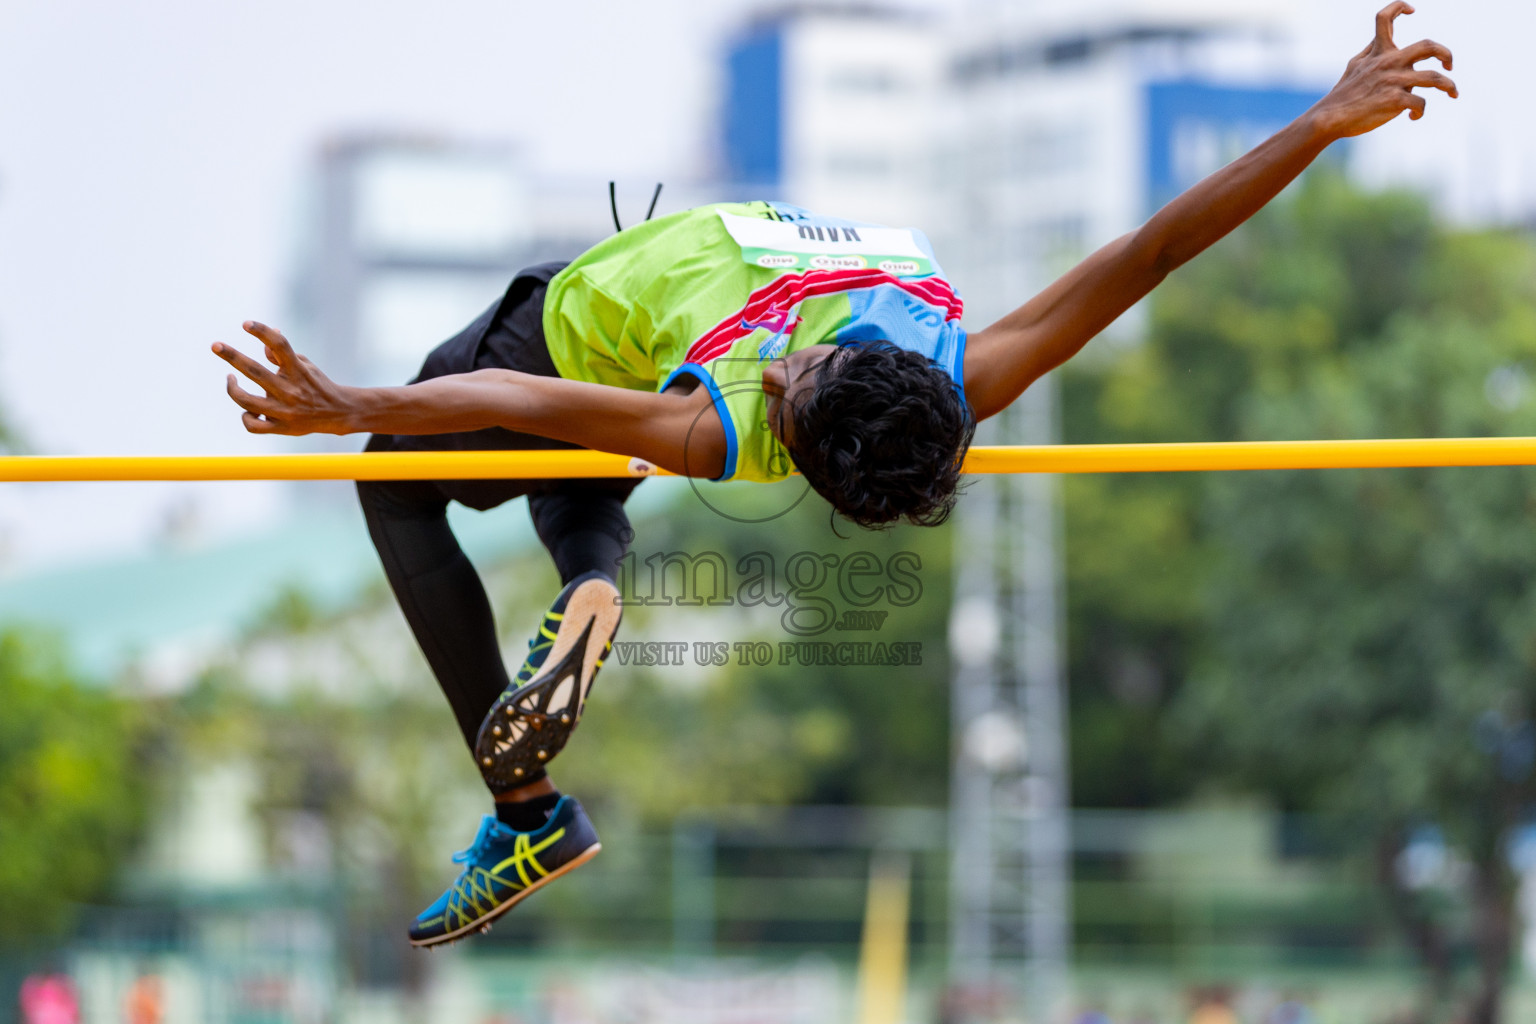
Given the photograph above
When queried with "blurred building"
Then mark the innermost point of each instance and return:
(834, 107)
(1017, 133)
(412, 239)
(1072, 125)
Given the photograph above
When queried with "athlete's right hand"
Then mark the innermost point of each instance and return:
(299, 399)
(1378, 84)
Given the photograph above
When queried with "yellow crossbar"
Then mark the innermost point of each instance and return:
(1083, 458)
(1229, 455)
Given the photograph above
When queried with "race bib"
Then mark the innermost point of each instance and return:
(797, 245)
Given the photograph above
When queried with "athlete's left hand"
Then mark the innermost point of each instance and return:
(299, 399)
(1378, 84)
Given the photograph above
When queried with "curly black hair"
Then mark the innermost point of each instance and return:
(882, 434)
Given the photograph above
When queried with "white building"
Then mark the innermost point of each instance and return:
(1075, 123)
(411, 239)
(833, 107)
(1020, 136)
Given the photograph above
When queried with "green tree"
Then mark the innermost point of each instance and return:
(72, 790)
(1360, 644)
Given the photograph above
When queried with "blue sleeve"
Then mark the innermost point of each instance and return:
(890, 314)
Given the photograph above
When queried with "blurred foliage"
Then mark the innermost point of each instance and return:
(73, 789)
(362, 783)
(1291, 300)
(667, 742)
(1355, 643)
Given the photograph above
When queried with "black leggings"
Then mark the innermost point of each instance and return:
(581, 522)
(583, 526)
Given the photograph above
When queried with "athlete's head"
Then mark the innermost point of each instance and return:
(877, 430)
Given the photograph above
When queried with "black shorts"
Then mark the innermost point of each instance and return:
(507, 336)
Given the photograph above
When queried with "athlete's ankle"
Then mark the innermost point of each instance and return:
(540, 785)
(609, 576)
(527, 815)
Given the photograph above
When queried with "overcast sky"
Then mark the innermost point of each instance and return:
(152, 155)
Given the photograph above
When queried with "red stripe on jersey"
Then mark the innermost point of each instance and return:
(769, 305)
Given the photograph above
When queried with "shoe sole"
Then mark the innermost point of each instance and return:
(591, 618)
(596, 603)
(484, 923)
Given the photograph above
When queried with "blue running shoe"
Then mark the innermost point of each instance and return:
(533, 718)
(502, 867)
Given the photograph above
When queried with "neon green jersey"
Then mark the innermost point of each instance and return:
(720, 291)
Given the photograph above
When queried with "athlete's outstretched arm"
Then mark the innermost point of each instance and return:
(678, 432)
(1005, 358)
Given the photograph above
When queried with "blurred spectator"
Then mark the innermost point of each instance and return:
(963, 1004)
(1093, 1017)
(49, 999)
(1292, 1011)
(145, 1001)
(1213, 1006)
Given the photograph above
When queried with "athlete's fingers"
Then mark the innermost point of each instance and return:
(1416, 105)
(241, 397)
(256, 425)
(248, 366)
(1425, 49)
(277, 345)
(247, 401)
(1433, 80)
(1384, 20)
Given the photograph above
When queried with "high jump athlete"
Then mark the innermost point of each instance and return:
(733, 342)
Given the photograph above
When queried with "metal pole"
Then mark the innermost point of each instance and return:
(1010, 855)
(693, 889)
(1038, 662)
